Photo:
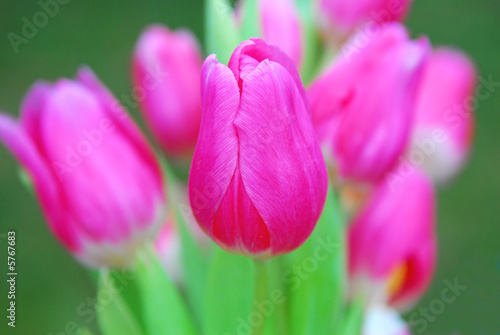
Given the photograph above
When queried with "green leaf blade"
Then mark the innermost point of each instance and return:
(316, 275)
(114, 316)
(229, 295)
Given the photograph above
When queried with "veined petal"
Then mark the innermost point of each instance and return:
(238, 225)
(280, 159)
(250, 53)
(216, 153)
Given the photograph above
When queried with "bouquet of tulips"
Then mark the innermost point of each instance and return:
(306, 146)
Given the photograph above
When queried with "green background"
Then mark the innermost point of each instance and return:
(50, 284)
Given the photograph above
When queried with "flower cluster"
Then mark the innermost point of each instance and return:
(319, 101)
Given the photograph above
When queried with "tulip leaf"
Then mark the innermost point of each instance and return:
(85, 331)
(353, 319)
(315, 275)
(221, 32)
(229, 295)
(164, 311)
(194, 263)
(113, 314)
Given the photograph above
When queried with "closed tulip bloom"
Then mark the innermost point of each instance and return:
(345, 15)
(95, 176)
(363, 105)
(443, 128)
(258, 180)
(166, 70)
(281, 26)
(391, 243)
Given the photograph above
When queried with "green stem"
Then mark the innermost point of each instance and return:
(281, 308)
(261, 291)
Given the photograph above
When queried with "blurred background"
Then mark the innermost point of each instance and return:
(101, 34)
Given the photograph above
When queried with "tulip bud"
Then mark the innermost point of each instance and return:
(363, 105)
(391, 243)
(443, 128)
(258, 180)
(96, 178)
(281, 26)
(343, 16)
(166, 69)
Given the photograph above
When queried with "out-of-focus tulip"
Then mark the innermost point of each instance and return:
(171, 101)
(384, 321)
(97, 180)
(392, 246)
(258, 180)
(363, 105)
(280, 24)
(343, 16)
(443, 127)
(168, 249)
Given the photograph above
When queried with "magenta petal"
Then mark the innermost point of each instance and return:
(46, 186)
(238, 225)
(167, 68)
(444, 123)
(90, 153)
(362, 107)
(119, 117)
(396, 228)
(216, 152)
(281, 164)
(420, 267)
(248, 56)
(31, 108)
(281, 27)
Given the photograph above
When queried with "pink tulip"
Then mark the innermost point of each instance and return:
(97, 180)
(281, 26)
(258, 180)
(392, 247)
(444, 123)
(345, 15)
(363, 105)
(167, 69)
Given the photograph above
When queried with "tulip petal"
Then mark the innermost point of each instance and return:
(444, 123)
(280, 159)
(32, 105)
(281, 27)
(420, 267)
(249, 54)
(171, 104)
(396, 230)
(21, 145)
(120, 119)
(245, 230)
(82, 150)
(216, 153)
